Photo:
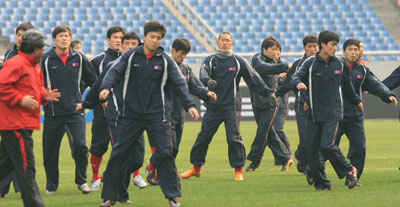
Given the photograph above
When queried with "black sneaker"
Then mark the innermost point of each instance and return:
(151, 176)
(310, 179)
(324, 188)
(174, 202)
(351, 178)
(300, 167)
(252, 167)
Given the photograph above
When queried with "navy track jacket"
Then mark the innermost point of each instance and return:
(326, 83)
(10, 53)
(67, 79)
(393, 80)
(228, 72)
(146, 84)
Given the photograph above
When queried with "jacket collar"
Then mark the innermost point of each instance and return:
(113, 52)
(53, 53)
(267, 59)
(29, 57)
(140, 49)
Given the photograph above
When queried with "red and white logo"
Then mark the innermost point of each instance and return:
(360, 76)
(232, 69)
(158, 67)
(338, 72)
(75, 64)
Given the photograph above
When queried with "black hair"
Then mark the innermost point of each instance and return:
(327, 36)
(310, 39)
(29, 47)
(270, 41)
(131, 36)
(24, 27)
(350, 42)
(227, 33)
(154, 26)
(76, 42)
(61, 29)
(182, 44)
(115, 29)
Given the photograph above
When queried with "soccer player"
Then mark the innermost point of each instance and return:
(100, 131)
(19, 33)
(65, 69)
(221, 72)
(146, 73)
(323, 75)
(76, 45)
(21, 94)
(310, 47)
(265, 108)
(353, 121)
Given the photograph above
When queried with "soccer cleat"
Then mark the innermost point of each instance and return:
(310, 179)
(95, 185)
(50, 192)
(139, 181)
(84, 188)
(151, 176)
(287, 165)
(351, 178)
(107, 203)
(252, 167)
(300, 167)
(190, 173)
(174, 202)
(238, 176)
(325, 188)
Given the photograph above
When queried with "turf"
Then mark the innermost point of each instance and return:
(267, 186)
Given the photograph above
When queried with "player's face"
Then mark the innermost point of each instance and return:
(115, 41)
(62, 40)
(19, 37)
(271, 52)
(78, 47)
(310, 49)
(178, 56)
(129, 44)
(278, 55)
(361, 49)
(330, 48)
(351, 53)
(225, 42)
(152, 41)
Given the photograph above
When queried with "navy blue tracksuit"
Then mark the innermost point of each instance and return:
(265, 110)
(150, 79)
(393, 80)
(353, 122)
(302, 151)
(326, 81)
(227, 72)
(68, 80)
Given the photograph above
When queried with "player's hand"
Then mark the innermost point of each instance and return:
(52, 95)
(104, 105)
(393, 99)
(78, 107)
(360, 106)
(104, 94)
(301, 86)
(283, 75)
(273, 96)
(194, 113)
(212, 95)
(29, 102)
(306, 107)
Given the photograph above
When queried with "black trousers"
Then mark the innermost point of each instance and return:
(302, 153)
(100, 136)
(279, 123)
(6, 183)
(16, 153)
(53, 132)
(323, 136)
(209, 126)
(267, 135)
(162, 159)
(357, 151)
(177, 132)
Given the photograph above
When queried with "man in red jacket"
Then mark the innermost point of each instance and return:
(21, 94)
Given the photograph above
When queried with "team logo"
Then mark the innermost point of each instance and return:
(232, 69)
(187, 77)
(338, 72)
(158, 67)
(360, 76)
(75, 64)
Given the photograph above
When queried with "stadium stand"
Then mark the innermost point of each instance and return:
(250, 21)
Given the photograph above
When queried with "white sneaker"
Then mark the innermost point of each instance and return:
(95, 186)
(84, 188)
(49, 192)
(139, 181)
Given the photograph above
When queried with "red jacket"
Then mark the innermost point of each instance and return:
(19, 77)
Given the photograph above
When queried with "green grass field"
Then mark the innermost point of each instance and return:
(267, 186)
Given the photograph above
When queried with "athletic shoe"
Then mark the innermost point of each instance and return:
(174, 202)
(139, 181)
(358, 184)
(49, 192)
(95, 185)
(352, 178)
(238, 176)
(107, 203)
(84, 188)
(252, 167)
(287, 165)
(310, 179)
(325, 188)
(190, 173)
(300, 167)
(151, 176)
(124, 202)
